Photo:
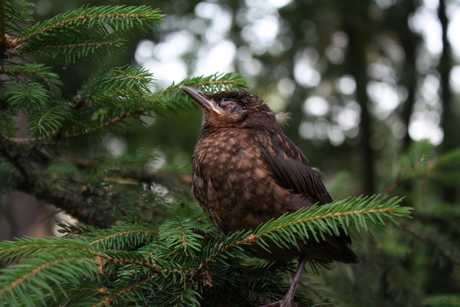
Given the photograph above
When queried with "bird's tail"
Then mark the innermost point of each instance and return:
(347, 255)
(342, 252)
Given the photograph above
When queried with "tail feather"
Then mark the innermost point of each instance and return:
(342, 252)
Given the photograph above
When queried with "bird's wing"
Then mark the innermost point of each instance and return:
(292, 170)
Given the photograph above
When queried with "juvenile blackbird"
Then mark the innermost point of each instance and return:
(246, 172)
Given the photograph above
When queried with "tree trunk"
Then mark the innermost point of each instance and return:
(355, 15)
(448, 123)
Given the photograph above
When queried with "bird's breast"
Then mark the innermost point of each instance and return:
(232, 182)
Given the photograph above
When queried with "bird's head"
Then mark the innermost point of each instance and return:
(231, 109)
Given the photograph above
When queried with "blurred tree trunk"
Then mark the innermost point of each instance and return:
(448, 119)
(356, 14)
(409, 42)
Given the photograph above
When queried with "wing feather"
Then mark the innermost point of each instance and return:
(292, 170)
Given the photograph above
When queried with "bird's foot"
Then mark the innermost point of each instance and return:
(202, 233)
(287, 301)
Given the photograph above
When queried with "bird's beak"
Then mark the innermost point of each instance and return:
(201, 98)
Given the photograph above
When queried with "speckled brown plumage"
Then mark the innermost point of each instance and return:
(246, 172)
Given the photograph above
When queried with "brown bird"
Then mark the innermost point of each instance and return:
(246, 172)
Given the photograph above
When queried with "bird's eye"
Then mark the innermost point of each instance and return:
(231, 106)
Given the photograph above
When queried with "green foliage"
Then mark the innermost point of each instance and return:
(39, 72)
(443, 301)
(214, 83)
(110, 98)
(369, 210)
(94, 32)
(170, 264)
(17, 14)
(406, 265)
(28, 94)
(44, 121)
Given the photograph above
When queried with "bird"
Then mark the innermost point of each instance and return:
(246, 171)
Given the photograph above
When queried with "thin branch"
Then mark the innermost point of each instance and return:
(54, 134)
(14, 160)
(68, 46)
(432, 242)
(92, 180)
(121, 234)
(37, 270)
(394, 185)
(108, 300)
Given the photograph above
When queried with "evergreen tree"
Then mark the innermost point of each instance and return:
(140, 239)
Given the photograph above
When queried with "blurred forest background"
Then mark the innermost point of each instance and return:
(362, 79)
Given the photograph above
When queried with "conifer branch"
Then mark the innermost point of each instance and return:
(99, 171)
(419, 163)
(29, 275)
(94, 16)
(153, 102)
(171, 254)
(38, 71)
(124, 233)
(351, 213)
(70, 46)
(108, 300)
(446, 252)
(11, 153)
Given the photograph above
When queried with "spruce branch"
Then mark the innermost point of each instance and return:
(119, 18)
(65, 193)
(103, 92)
(43, 122)
(26, 247)
(173, 97)
(108, 122)
(75, 48)
(217, 82)
(419, 163)
(111, 297)
(351, 214)
(15, 14)
(179, 234)
(113, 82)
(85, 33)
(38, 72)
(11, 152)
(28, 94)
(102, 170)
(33, 273)
(123, 236)
(173, 258)
(433, 242)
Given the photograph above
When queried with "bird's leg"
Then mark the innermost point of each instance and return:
(202, 233)
(288, 299)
